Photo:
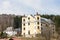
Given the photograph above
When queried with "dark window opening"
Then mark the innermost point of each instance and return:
(46, 24)
(28, 23)
(24, 34)
(41, 28)
(24, 28)
(29, 32)
(41, 24)
(24, 24)
(37, 22)
(37, 18)
(53, 29)
(28, 18)
(38, 27)
(53, 32)
(23, 19)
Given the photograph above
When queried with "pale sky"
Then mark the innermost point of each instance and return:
(21, 7)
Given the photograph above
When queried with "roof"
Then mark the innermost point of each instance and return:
(47, 20)
(9, 29)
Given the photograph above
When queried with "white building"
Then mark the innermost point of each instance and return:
(31, 25)
(10, 31)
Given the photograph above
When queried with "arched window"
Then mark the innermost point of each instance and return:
(23, 19)
(28, 18)
(24, 28)
(37, 18)
(38, 27)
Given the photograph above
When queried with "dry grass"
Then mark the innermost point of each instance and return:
(30, 38)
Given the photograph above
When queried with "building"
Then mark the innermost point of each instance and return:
(10, 31)
(31, 25)
(47, 27)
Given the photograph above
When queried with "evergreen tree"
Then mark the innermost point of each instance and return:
(17, 22)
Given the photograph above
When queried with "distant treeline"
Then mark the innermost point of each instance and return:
(55, 19)
(17, 22)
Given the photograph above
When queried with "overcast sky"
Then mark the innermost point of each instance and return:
(20, 7)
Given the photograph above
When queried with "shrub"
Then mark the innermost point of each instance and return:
(3, 35)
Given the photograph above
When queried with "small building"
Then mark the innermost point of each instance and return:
(10, 31)
(31, 25)
(47, 27)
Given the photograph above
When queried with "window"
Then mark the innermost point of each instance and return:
(41, 28)
(29, 32)
(37, 22)
(24, 28)
(46, 25)
(37, 18)
(24, 24)
(38, 27)
(28, 18)
(41, 24)
(53, 32)
(24, 34)
(53, 29)
(28, 23)
(23, 19)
